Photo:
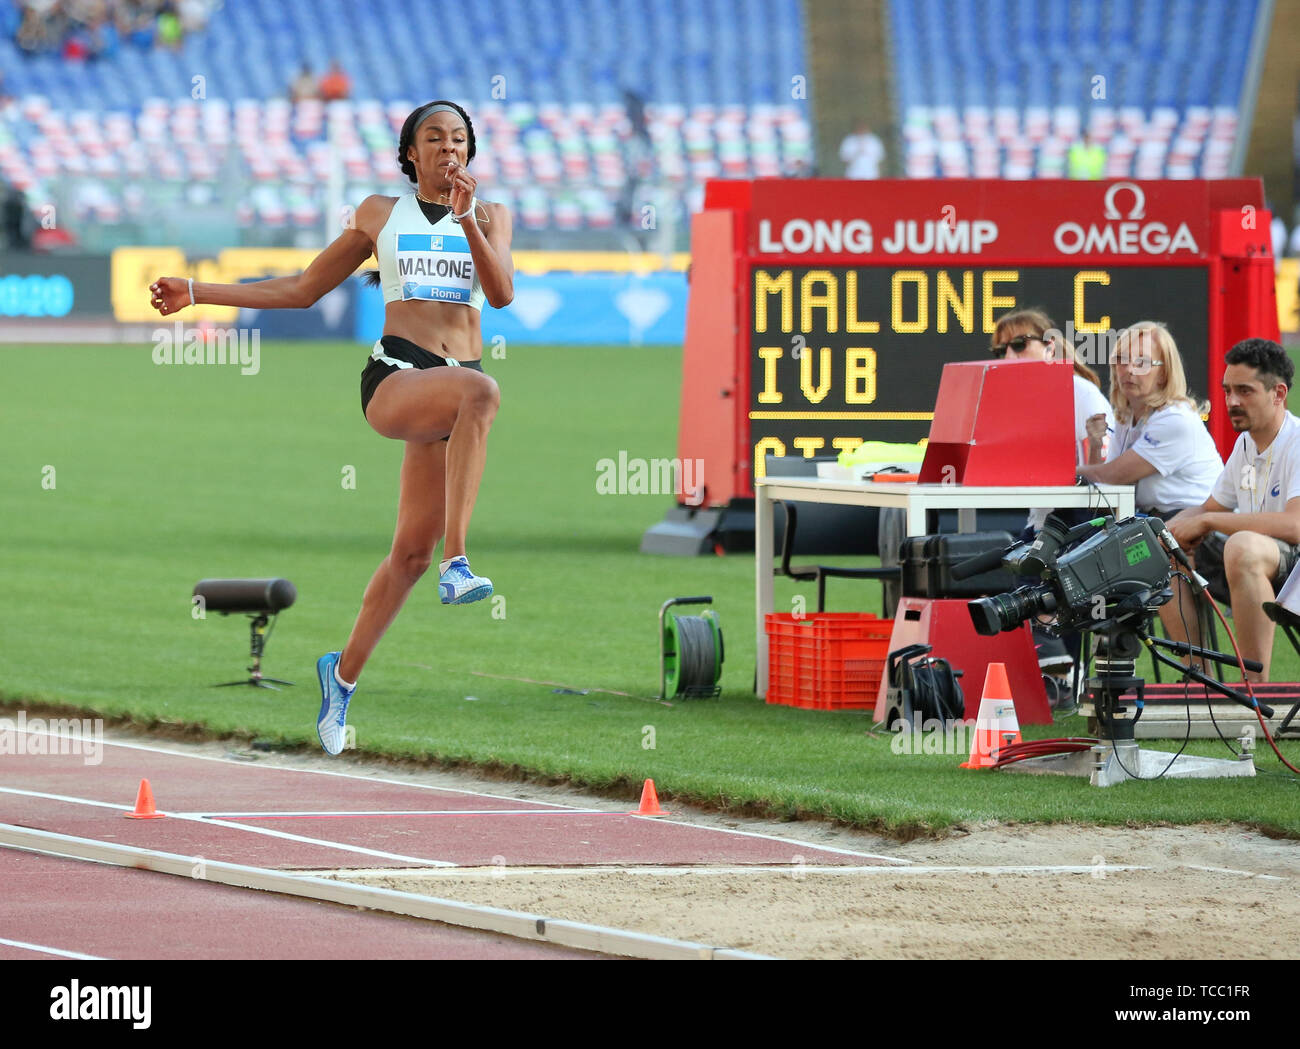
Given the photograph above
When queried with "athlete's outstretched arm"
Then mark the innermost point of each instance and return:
(327, 271)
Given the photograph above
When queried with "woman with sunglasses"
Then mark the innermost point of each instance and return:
(1160, 444)
(1030, 335)
(442, 253)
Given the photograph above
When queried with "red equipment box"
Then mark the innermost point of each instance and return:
(1002, 423)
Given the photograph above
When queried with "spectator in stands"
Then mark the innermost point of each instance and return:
(634, 106)
(1277, 230)
(862, 152)
(1160, 444)
(193, 15)
(1244, 536)
(76, 48)
(42, 26)
(137, 22)
(169, 27)
(640, 148)
(16, 220)
(335, 85)
(304, 85)
(101, 33)
(1087, 158)
(1293, 245)
(87, 29)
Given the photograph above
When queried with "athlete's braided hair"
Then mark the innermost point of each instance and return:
(407, 136)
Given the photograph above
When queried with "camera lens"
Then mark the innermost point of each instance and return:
(1001, 612)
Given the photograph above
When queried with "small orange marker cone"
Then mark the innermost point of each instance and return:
(997, 725)
(144, 808)
(649, 802)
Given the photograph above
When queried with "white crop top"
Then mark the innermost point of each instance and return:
(423, 260)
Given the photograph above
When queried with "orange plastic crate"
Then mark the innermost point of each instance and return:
(791, 660)
(826, 660)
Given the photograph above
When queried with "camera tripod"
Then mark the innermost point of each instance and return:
(1117, 757)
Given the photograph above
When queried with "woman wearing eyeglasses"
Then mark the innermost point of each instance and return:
(1160, 444)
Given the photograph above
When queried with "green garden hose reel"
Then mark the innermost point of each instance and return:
(690, 651)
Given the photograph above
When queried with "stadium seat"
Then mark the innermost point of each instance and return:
(1167, 64)
(564, 66)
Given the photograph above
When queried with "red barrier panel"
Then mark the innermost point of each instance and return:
(1004, 423)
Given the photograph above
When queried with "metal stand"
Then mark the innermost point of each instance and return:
(1117, 757)
(1290, 623)
(257, 644)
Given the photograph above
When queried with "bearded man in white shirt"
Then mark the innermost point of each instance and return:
(1245, 535)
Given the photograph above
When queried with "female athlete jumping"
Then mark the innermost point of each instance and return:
(441, 253)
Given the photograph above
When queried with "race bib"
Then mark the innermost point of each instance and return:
(434, 266)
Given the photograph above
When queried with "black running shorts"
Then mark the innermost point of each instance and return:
(401, 353)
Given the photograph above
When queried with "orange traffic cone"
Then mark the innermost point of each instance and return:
(649, 802)
(144, 809)
(997, 725)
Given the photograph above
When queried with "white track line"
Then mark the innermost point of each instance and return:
(500, 797)
(491, 919)
(1230, 870)
(794, 870)
(357, 849)
(152, 749)
(328, 814)
(57, 952)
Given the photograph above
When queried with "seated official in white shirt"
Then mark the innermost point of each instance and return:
(1159, 443)
(1244, 536)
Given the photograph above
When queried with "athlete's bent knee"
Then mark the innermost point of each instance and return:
(482, 399)
(410, 564)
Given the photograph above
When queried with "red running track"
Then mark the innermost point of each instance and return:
(233, 811)
(355, 821)
(115, 912)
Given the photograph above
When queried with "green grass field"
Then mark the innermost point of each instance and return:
(124, 482)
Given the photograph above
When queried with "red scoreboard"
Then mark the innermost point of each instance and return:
(822, 312)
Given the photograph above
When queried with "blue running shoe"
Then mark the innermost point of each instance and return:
(459, 586)
(331, 725)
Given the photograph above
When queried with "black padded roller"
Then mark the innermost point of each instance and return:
(246, 595)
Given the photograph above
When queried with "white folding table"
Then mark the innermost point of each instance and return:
(917, 500)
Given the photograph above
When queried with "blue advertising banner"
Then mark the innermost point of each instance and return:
(591, 308)
(332, 317)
